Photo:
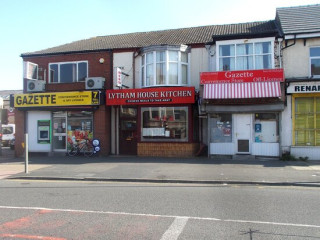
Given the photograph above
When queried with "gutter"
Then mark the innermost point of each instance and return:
(63, 53)
(294, 43)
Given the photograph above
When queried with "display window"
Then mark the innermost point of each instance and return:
(80, 126)
(164, 124)
(221, 128)
(307, 121)
(266, 128)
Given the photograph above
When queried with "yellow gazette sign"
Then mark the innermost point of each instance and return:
(57, 99)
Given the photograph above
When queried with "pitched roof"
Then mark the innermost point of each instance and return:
(193, 35)
(301, 19)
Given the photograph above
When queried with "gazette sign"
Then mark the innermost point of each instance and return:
(262, 75)
(56, 99)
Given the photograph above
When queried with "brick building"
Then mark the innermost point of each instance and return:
(79, 110)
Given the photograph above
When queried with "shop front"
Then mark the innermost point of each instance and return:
(154, 121)
(243, 111)
(305, 119)
(55, 120)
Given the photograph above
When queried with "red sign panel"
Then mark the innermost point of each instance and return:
(263, 75)
(168, 95)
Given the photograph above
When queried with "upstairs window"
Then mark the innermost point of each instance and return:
(68, 72)
(245, 56)
(315, 61)
(165, 65)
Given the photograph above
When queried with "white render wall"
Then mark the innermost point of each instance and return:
(138, 72)
(296, 58)
(296, 64)
(124, 61)
(286, 127)
(32, 129)
(199, 62)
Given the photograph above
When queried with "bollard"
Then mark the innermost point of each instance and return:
(26, 148)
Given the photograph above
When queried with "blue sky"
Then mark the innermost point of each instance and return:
(31, 25)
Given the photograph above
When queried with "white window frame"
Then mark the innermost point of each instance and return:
(166, 49)
(244, 41)
(310, 58)
(61, 63)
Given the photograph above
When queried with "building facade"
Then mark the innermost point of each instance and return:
(154, 107)
(300, 29)
(173, 92)
(242, 97)
(60, 104)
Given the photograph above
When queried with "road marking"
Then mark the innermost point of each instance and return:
(175, 229)
(162, 216)
(23, 236)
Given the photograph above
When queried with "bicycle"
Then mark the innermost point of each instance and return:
(81, 146)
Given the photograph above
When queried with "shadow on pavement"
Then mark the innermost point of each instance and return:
(43, 158)
(64, 159)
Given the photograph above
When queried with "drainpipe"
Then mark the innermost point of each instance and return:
(134, 56)
(292, 44)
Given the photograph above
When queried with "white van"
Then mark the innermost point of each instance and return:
(8, 132)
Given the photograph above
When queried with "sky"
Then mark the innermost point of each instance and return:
(32, 25)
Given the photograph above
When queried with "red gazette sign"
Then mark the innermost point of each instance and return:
(262, 75)
(168, 95)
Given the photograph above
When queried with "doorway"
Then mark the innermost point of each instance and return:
(128, 131)
(59, 133)
(243, 126)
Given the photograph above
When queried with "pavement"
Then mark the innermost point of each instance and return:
(195, 170)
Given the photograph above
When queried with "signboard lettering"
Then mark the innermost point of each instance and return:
(57, 99)
(263, 75)
(119, 77)
(310, 87)
(170, 95)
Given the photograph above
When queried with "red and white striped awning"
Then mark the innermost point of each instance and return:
(241, 90)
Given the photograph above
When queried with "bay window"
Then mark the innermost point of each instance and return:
(245, 56)
(68, 72)
(315, 61)
(164, 65)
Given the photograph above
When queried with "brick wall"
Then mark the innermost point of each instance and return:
(168, 149)
(102, 128)
(20, 131)
(96, 69)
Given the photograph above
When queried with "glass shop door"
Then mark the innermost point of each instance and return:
(59, 133)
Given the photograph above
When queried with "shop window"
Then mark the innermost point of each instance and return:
(164, 123)
(80, 126)
(266, 128)
(164, 65)
(315, 61)
(245, 56)
(68, 72)
(307, 121)
(221, 128)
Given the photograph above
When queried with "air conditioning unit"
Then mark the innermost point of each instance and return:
(35, 85)
(95, 83)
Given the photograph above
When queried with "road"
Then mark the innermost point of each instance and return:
(93, 210)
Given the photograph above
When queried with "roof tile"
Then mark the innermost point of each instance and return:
(192, 35)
